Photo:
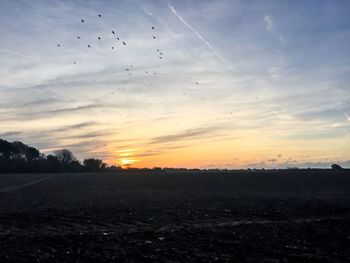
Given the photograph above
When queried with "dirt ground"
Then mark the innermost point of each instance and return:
(242, 216)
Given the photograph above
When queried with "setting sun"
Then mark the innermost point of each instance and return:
(124, 157)
(124, 162)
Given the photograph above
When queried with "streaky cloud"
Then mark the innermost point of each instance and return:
(74, 126)
(188, 134)
(10, 133)
(269, 22)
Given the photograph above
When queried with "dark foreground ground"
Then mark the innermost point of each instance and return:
(281, 216)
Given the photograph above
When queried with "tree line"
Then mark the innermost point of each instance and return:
(17, 157)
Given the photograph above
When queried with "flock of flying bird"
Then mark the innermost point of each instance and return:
(114, 33)
(159, 52)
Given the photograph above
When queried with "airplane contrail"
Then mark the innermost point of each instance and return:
(173, 10)
(17, 54)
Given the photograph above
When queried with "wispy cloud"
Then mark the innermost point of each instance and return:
(66, 128)
(269, 22)
(270, 26)
(9, 134)
(90, 135)
(188, 134)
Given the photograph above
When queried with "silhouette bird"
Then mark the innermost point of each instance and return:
(152, 27)
(161, 53)
(154, 37)
(197, 83)
(146, 72)
(113, 32)
(118, 38)
(112, 47)
(157, 50)
(124, 43)
(58, 45)
(75, 62)
(160, 57)
(99, 16)
(99, 38)
(89, 46)
(82, 21)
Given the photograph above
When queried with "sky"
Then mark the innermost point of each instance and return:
(224, 84)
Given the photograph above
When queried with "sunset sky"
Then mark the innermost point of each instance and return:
(239, 83)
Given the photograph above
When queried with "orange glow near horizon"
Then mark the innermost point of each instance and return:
(125, 158)
(246, 150)
(126, 162)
